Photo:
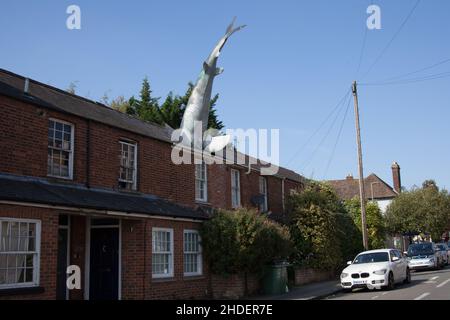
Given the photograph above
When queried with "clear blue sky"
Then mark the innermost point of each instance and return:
(286, 70)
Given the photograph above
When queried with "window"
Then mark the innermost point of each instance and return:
(263, 192)
(60, 149)
(201, 190)
(128, 168)
(192, 253)
(19, 253)
(162, 253)
(235, 189)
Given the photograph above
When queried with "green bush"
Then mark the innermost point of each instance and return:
(243, 241)
(313, 227)
(376, 230)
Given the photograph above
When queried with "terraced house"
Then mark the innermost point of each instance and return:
(82, 184)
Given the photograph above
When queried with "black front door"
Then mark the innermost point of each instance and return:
(61, 289)
(104, 264)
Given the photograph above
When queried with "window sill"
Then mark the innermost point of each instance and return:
(201, 202)
(193, 277)
(20, 291)
(163, 279)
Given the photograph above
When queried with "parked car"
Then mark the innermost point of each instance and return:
(424, 255)
(445, 252)
(376, 269)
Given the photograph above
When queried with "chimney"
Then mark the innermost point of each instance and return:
(26, 86)
(396, 177)
(349, 177)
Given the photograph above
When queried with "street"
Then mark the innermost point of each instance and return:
(425, 285)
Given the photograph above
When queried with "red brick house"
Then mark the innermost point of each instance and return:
(82, 184)
(376, 189)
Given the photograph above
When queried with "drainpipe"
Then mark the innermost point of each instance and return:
(88, 154)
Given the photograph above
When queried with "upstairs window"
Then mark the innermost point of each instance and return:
(201, 191)
(235, 189)
(128, 165)
(60, 149)
(263, 193)
(19, 253)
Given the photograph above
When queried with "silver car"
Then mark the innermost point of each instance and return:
(424, 255)
(444, 251)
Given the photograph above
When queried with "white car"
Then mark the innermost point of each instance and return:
(376, 269)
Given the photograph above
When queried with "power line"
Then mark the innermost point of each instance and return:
(362, 47)
(414, 72)
(307, 162)
(320, 127)
(411, 80)
(338, 137)
(392, 39)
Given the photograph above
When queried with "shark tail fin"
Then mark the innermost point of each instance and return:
(231, 30)
(230, 27)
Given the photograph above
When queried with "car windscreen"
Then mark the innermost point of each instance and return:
(441, 246)
(420, 249)
(372, 257)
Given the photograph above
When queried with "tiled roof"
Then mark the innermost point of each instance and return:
(349, 188)
(12, 85)
(38, 191)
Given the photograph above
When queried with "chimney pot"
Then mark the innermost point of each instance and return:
(396, 177)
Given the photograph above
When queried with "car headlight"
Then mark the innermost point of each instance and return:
(344, 275)
(380, 272)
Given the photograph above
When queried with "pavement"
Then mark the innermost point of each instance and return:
(425, 285)
(311, 291)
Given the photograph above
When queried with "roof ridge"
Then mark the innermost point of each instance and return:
(97, 103)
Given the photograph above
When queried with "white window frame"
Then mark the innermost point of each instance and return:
(134, 182)
(264, 206)
(36, 254)
(235, 189)
(199, 254)
(171, 254)
(204, 181)
(71, 152)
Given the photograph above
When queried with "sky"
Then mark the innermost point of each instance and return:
(286, 70)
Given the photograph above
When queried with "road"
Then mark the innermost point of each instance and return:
(425, 285)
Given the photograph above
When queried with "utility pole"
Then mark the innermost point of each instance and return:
(362, 194)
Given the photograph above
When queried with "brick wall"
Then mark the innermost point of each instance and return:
(49, 247)
(233, 286)
(308, 275)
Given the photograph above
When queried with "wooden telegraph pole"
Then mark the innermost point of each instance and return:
(362, 194)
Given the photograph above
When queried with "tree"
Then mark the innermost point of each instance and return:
(376, 230)
(313, 227)
(420, 210)
(120, 104)
(243, 241)
(72, 87)
(170, 112)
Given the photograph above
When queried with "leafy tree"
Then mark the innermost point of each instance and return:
(420, 210)
(313, 227)
(376, 230)
(243, 241)
(120, 104)
(349, 236)
(171, 111)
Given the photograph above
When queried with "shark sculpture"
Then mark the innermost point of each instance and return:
(197, 109)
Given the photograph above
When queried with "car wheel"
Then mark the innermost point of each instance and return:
(408, 276)
(391, 282)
